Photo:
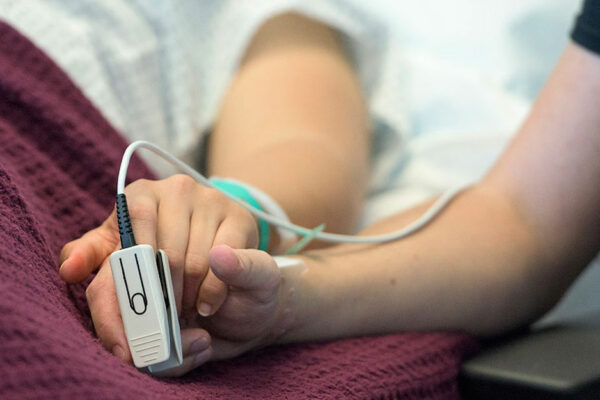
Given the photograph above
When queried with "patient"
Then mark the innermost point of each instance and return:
(497, 258)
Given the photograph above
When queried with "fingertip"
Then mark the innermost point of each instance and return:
(70, 270)
(222, 261)
(204, 309)
(221, 252)
(194, 341)
(211, 295)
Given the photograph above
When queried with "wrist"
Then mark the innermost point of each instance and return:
(301, 298)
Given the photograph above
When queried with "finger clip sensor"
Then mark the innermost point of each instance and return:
(148, 309)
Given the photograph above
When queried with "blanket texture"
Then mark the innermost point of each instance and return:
(58, 165)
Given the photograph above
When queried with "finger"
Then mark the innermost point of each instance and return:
(196, 350)
(203, 226)
(143, 212)
(248, 269)
(239, 230)
(172, 237)
(236, 233)
(80, 257)
(104, 308)
(211, 295)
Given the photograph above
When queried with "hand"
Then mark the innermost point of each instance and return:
(253, 314)
(257, 309)
(179, 216)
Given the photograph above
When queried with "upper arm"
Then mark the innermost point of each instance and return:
(551, 170)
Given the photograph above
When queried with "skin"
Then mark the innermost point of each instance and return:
(294, 98)
(498, 257)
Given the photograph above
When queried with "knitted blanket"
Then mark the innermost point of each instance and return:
(58, 165)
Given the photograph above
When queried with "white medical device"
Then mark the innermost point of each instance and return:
(147, 303)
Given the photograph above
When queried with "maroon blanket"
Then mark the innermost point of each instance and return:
(58, 167)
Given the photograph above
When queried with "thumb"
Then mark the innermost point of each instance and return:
(249, 269)
(80, 257)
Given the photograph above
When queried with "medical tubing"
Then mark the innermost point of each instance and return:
(423, 220)
(125, 229)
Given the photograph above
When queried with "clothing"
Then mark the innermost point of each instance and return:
(587, 28)
(447, 83)
(158, 70)
(57, 163)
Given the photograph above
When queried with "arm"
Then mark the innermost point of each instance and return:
(499, 256)
(294, 124)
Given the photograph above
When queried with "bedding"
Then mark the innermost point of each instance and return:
(59, 160)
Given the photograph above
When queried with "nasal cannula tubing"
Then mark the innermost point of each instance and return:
(423, 220)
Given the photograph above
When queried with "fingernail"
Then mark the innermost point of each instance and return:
(203, 357)
(118, 352)
(204, 309)
(199, 345)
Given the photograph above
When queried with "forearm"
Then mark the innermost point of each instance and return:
(499, 256)
(474, 268)
(294, 125)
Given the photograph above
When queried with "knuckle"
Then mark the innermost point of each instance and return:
(180, 183)
(196, 265)
(91, 292)
(213, 195)
(139, 184)
(143, 208)
(239, 240)
(97, 287)
(249, 225)
(242, 229)
(176, 258)
(242, 214)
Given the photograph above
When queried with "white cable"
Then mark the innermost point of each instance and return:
(431, 213)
